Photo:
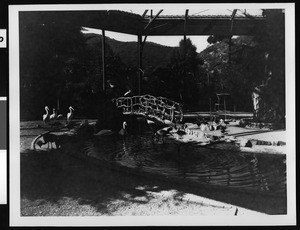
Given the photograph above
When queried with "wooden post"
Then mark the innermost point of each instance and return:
(230, 36)
(210, 107)
(140, 62)
(229, 57)
(103, 59)
(184, 39)
(225, 108)
(185, 20)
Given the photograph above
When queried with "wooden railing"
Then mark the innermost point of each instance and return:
(159, 108)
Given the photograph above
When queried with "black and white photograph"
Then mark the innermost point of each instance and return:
(152, 114)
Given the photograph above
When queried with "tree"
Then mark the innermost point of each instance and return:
(272, 91)
(184, 65)
(50, 56)
(58, 66)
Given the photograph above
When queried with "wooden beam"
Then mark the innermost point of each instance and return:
(145, 12)
(230, 36)
(184, 39)
(143, 43)
(103, 60)
(231, 19)
(152, 19)
(233, 14)
(140, 56)
(185, 20)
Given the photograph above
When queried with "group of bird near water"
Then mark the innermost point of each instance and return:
(191, 132)
(51, 119)
(47, 117)
(195, 131)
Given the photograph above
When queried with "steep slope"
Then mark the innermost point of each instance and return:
(154, 55)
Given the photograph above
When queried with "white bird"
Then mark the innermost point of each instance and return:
(53, 116)
(162, 133)
(128, 92)
(107, 132)
(70, 114)
(123, 131)
(111, 85)
(46, 116)
(149, 122)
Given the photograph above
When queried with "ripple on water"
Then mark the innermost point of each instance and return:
(220, 165)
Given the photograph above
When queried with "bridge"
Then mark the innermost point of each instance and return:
(157, 109)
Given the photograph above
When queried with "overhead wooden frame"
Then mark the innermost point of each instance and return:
(135, 24)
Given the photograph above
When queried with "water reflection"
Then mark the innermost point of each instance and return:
(221, 165)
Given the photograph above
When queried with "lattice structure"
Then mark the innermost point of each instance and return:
(158, 108)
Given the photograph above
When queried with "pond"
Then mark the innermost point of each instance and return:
(221, 164)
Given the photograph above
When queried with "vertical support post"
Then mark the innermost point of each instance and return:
(229, 57)
(230, 36)
(184, 29)
(210, 108)
(103, 60)
(184, 37)
(140, 61)
(224, 108)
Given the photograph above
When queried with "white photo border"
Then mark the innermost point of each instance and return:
(14, 130)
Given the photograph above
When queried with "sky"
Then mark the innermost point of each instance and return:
(175, 9)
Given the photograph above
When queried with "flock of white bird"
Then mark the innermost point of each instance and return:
(160, 133)
(47, 117)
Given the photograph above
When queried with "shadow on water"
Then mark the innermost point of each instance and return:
(223, 165)
(110, 169)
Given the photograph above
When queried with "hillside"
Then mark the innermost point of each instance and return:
(154, 55)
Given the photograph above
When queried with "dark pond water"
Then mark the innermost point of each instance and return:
(220, 164)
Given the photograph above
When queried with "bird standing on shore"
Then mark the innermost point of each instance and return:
(53, 116)
(46, 116)
(70, 114)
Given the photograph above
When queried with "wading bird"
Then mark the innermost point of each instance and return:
(53, 116)
(107, 132)
(70, 114)
(162, 133)
(46, 116)
(123, 131)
